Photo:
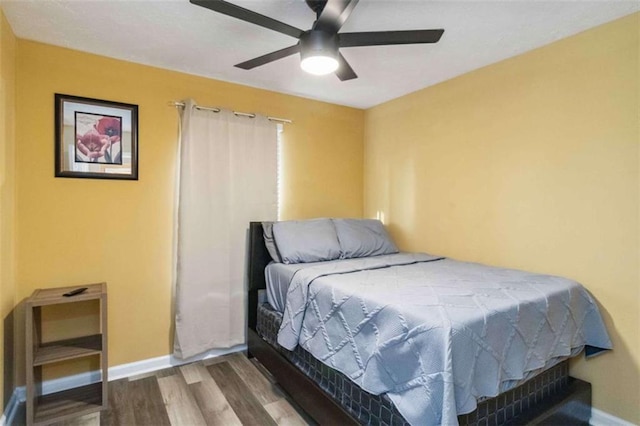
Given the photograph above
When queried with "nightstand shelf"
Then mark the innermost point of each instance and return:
(67, 404)
(63, 350)
(45, 409)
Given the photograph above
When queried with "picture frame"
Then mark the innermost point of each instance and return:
(95, 139)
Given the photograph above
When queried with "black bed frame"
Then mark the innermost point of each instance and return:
(570, 408)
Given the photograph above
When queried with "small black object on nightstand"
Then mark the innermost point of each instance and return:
(75, 292)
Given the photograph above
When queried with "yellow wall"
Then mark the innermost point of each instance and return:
(7, 202)
(74, 231)
(530, 163)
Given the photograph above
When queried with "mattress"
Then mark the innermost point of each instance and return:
(436, 334)
(278, 276)
(379, 410)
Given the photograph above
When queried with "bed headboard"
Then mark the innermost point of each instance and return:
(258, 259)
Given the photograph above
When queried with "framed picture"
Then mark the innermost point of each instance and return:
(95, 138)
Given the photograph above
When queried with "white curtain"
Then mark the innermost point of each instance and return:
(227, 178)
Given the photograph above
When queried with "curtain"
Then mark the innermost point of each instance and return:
(227, 178)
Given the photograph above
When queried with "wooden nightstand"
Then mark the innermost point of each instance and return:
(44, 409)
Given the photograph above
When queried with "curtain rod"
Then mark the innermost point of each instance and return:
(243, 114)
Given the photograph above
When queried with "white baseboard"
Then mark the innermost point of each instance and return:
(116, 372)
(602, 418)
(153, 364)
(12, 407)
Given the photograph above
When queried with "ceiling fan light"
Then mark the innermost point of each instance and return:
(319, 52)
(319, 64)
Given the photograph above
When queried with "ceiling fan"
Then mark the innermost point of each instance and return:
(319, 46)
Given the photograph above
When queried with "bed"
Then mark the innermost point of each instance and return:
(350, 381)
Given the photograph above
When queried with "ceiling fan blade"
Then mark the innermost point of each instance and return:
(334, 15)
(378, 38)
(238, 12)
(344, 71)
(269, 57)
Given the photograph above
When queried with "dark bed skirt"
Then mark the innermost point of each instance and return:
(370, 409)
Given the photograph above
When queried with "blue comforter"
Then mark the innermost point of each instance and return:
(436, 334)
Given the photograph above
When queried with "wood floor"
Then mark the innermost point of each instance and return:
(228, 390)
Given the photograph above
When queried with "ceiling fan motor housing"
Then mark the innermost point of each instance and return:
(318, 43)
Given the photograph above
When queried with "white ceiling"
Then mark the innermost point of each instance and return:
(177, 35)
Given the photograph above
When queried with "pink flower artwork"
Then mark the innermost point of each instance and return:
(96, 136)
